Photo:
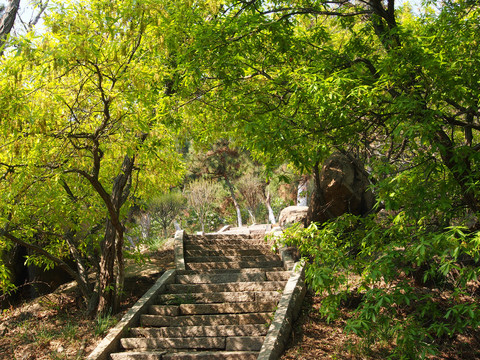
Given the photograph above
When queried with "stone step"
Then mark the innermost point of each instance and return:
(200, 355)
(207, 320)
(231, 343)
(219, 237)
(220, 297)
(229, 246)
(202, 331)
(244, 343)
(167, 310)
(173, 343)
(278, 275)
(233, 265)
(225, 276)
(210, 355)
(221, 278)
(229, 271)
(226, 287)
(226, 258)
(225, 237)
(223, 308)
(228, 252)
(138, 355)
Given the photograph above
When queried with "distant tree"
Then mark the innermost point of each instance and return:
(202, 195)
(224, 162)
(251, 189)
(165, 208)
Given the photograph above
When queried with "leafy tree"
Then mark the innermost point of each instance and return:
(8, 15)
(224, 162)
(83, 129)
(165, 208)
(10, 20)
(202, 195)
(250, 188)
(295, 80)
(352, 76)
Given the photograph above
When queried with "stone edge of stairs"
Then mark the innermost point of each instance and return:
(278, 332)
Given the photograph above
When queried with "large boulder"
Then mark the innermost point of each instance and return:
(292, 214)
(342, 187)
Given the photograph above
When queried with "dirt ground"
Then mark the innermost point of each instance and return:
(54, 326)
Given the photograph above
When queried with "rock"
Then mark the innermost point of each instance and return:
(343, 187)
(292, 214)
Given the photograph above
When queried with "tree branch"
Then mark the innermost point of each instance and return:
(39, 250)
(7, 21)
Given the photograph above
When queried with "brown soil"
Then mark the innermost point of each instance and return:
(55, 326)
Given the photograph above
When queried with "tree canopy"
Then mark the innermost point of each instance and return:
(363, 77)
(92, 112)
(83, 131)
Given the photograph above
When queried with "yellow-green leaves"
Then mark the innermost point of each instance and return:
(75, 105)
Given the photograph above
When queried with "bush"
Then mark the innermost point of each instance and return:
(414, 282)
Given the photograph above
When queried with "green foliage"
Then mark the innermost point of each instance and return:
(84, 128)
(202, 197)
(165, 208)
(413, 283)
(6, 286)
(103, 323)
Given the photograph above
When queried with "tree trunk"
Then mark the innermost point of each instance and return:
(120, 281)
(107, 283)
(317, 211)
(235, 203)
(82, 279)
(252, 216)
(6, 22)
(146, 224)
(271, 214)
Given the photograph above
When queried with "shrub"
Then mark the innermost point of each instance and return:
(415, 282)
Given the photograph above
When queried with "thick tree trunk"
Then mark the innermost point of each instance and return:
(107, 283)
(317, 211)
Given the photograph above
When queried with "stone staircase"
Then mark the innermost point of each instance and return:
(219, 305)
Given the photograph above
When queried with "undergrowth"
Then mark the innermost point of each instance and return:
(411, 286)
